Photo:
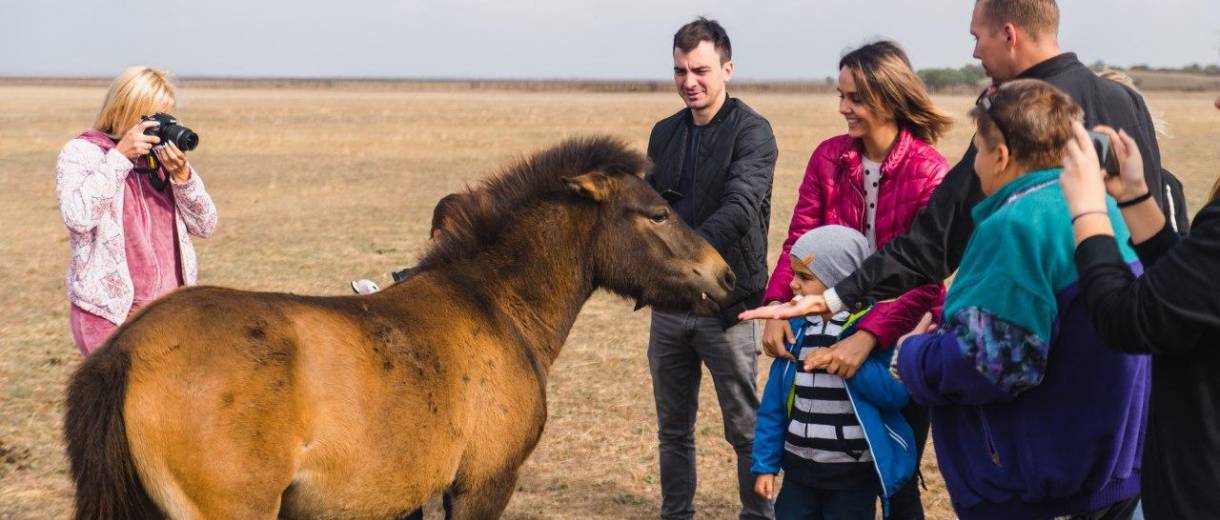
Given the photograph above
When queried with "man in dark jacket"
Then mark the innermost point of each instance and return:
(714, 162)
(1015, 39)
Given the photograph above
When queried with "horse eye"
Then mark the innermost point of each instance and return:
(659, 217)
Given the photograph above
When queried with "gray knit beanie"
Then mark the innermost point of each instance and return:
(836, 252)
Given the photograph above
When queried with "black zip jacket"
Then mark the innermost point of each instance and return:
(932, 248)
(730, 202)
(1173, 313)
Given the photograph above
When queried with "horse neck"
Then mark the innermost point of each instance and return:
(539, 274)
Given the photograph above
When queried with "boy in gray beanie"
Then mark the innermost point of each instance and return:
(840, 443)
(830, 253)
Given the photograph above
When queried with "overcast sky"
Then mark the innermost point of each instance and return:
(627, 39)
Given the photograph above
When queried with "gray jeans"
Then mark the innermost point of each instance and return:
(678, 344)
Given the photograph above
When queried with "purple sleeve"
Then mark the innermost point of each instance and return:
(975, 359)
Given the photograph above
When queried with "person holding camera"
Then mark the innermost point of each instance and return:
(130, 201)
(1172, 312)
(1034, 416)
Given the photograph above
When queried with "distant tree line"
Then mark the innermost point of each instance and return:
(972, 76)
(947, 78)
(1193, 68)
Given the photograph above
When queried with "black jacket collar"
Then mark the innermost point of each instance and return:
(730, 103)
(1051, 67)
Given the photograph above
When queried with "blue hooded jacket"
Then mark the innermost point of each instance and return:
(877, 399)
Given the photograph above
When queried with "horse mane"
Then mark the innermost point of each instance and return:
(482, 212)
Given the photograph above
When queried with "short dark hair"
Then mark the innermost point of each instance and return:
(1037, 17)
(1032, 117)
(704, 30)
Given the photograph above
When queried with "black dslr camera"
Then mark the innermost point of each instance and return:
(169, 131)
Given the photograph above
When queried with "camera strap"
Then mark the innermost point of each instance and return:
(156, 177)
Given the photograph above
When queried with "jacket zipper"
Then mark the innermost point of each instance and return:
(694, 170)
(1173, 212)
(993, 453)
(863, 198)
(148, 226)
(876, 466)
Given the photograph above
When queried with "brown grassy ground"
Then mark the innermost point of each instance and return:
(316, 187)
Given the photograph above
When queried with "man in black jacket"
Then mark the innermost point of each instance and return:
(1015, 39)
(714, 162)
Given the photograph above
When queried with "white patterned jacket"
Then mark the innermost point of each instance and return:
(89, 183)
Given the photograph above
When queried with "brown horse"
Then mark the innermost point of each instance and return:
(223, 404)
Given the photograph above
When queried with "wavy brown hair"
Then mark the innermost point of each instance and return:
(1216, 191)
(890, 88)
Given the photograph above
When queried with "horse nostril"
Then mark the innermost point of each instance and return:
(728, 279)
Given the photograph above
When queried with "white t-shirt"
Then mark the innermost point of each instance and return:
(872, 180)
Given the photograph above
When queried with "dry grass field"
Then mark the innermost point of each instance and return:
(319, 186)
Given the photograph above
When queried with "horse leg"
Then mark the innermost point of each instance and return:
(484, 500)
(210, 497)
(211, 464)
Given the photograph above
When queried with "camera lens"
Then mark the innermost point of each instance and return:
(183, 137)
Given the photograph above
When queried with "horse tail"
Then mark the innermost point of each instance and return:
(107, 485)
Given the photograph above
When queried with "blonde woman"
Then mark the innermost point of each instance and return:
(129, 229)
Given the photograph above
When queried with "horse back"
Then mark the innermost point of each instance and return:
(331, 399)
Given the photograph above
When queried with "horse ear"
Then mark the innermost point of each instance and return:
(594, 186)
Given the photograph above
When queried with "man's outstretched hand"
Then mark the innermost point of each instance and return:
(797, 307)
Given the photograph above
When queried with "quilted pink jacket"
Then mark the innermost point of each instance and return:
(90, 179)
(833, 193)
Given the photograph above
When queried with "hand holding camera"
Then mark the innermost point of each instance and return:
(137, 143)
(168, 131)
(1085, 183)
(1124, 165)
(176, 141)
(174, 161)
(161, 136)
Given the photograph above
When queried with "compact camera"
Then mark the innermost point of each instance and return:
(1106, 156)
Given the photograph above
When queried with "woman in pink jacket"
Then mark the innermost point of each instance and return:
(875, 178)
(129, 224)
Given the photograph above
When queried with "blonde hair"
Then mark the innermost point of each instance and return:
(890, 88)
(1158, 121)
(138, 91)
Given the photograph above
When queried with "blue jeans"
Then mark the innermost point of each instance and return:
(797, 502)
